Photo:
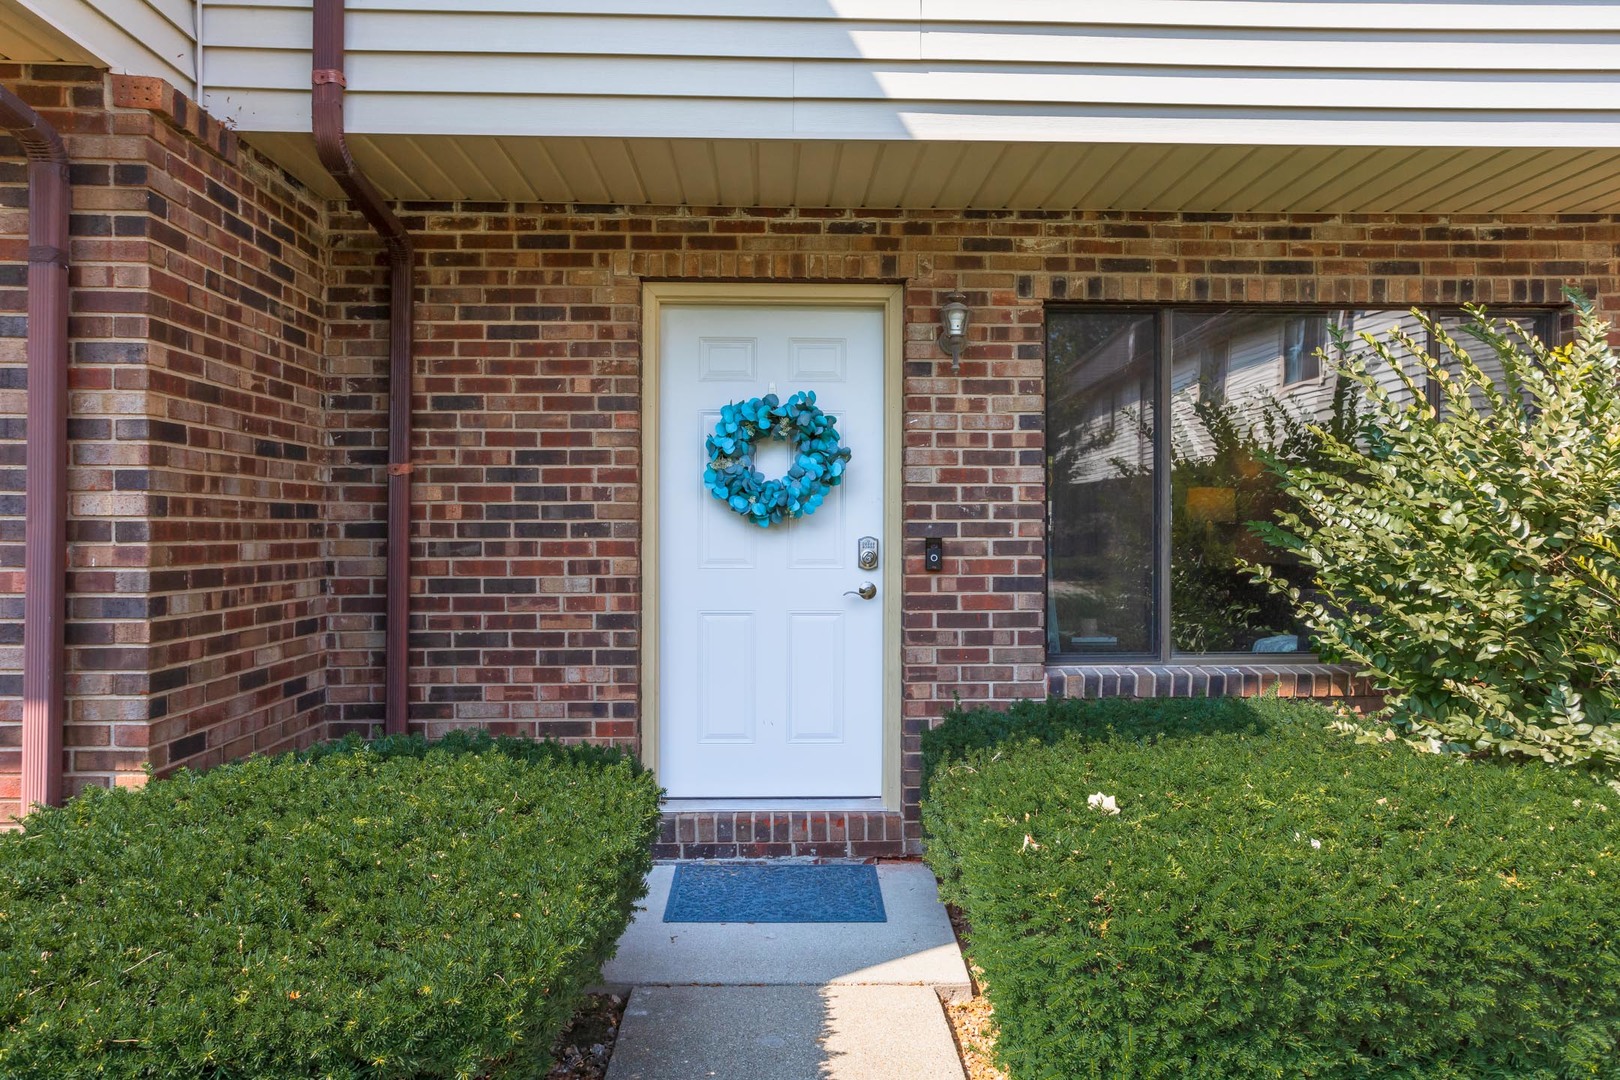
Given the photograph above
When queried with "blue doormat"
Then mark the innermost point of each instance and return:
(775, 894)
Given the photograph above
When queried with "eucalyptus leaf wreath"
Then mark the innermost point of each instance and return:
(818, 459)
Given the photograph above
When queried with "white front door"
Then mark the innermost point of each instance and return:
(770, 668)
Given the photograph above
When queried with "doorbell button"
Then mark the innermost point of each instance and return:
(933, 554)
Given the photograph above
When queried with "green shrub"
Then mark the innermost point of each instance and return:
(1283, 902)
(462, 741)
(1048, 721)
(398, 910)
(1464, 555)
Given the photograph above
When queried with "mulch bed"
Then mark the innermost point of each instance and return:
(973, 1022)
(586, 1044)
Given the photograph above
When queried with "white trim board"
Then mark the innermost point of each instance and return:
(890, 300)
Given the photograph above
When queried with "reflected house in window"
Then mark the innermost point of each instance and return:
(1148, 538)
(1100, 405)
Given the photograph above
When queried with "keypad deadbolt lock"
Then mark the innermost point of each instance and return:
(866, 553)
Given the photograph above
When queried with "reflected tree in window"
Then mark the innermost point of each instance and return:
(1247, 390)
(1246, 387)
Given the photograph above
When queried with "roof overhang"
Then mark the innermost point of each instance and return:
(1045, 104)
(978, 175)
(26, 38)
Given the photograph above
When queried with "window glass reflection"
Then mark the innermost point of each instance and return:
(1100, 414)
(1246, 386)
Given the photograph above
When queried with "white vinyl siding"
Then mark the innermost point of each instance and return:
(1182, 71)
(1173, 105)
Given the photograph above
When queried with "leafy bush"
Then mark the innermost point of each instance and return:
(394, 910)
(1281, 902)
(1464, 554)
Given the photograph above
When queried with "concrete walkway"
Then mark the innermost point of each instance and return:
(790, 1001)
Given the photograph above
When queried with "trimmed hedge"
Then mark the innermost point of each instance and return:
(1274, 900)
(1092, 718)
(392, 910)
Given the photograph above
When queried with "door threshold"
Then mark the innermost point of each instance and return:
(872, 805)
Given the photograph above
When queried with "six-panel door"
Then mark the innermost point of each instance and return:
(770, 672)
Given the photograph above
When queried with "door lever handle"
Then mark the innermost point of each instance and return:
(865, 592)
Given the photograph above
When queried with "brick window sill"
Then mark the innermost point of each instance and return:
(1216, 678)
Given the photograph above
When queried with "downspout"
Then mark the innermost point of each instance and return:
(45, 515)
(327, 120)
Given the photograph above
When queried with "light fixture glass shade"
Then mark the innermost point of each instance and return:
(953, 324)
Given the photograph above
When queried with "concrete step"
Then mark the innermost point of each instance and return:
(915, 947)
(837, 1032)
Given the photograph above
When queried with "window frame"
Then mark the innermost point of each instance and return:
(1310, 365)
(1554, 328)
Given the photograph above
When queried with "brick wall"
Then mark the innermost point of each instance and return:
(237, 463)
(108, 563)
(196, 611)
(526, 537)
(229, 370)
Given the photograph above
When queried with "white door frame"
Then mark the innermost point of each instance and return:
(890, 299)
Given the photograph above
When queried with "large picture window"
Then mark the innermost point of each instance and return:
(1147, 522)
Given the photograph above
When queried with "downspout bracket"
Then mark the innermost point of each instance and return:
(323, 76)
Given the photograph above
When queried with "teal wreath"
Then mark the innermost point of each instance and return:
(818, 460)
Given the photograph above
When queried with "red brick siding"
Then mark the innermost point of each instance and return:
(527, 522)
(108, 560)
(236, 384)
(527, 399)
(197, 288)
(230, 359)
(757, 834)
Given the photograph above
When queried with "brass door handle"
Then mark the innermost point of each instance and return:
(865, 592)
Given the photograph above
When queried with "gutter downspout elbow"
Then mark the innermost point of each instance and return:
(326, 115)
(45, 516)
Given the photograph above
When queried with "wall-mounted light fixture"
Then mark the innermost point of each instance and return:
(953, 325)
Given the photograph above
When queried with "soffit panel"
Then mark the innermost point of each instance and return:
(139, 37)
(978, 175)
(25, 39)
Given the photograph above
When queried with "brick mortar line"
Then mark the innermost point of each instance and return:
(207, 291)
